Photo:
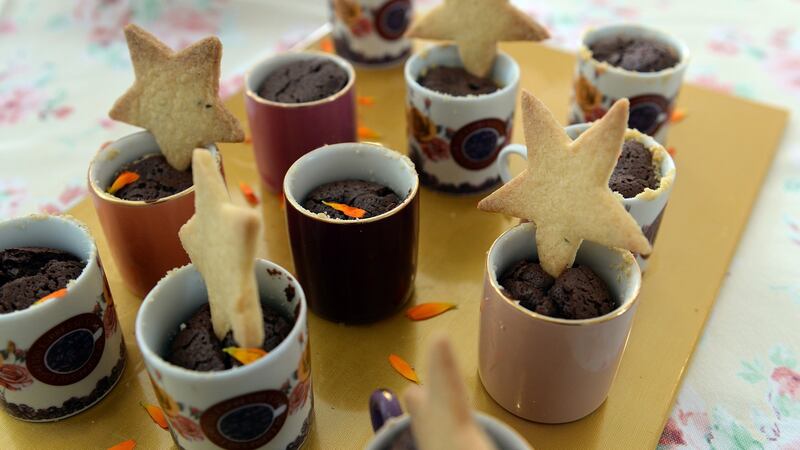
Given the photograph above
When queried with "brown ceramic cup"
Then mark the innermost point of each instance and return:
(354, 271)
(546, 369)
(142, 236)
(283, 132)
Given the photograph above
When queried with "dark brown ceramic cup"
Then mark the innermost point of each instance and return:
(354, 271)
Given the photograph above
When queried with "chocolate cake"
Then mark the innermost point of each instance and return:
(374, 198)
(304, 81)
(634, 54)
(578, 293)
(196, 347)
(456, 81)
(634, 171)
(29, 273)
(157, 179)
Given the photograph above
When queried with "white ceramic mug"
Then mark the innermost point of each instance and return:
(547, 369)
(454, 141)
(388, 422)
(201, 407)
(35, 384)
(647, 207)
(652, 95)
(371, 32)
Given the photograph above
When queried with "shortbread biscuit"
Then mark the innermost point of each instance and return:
(176, 96)
(564, 190)
(221, 240)
(477, 26)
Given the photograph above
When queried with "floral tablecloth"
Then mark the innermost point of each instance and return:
(62, 64)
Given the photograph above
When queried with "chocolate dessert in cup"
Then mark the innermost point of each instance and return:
(641, 64)
(371, 33)
(353, 217)
(440, 414)
(296, 102)
(224, 339)
(141, 184)
(460, 98)
(61, 348)
(643, 179)
(560, 292)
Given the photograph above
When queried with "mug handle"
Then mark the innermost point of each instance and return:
(383, 405)
(502, 159)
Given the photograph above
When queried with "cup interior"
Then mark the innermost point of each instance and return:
(639, 31)
(42, 230)
(617, 268)
(182, 292)
(109, 159)
(350, 161)
(255, 77)
(505, 71)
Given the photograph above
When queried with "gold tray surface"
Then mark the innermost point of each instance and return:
(724, 148)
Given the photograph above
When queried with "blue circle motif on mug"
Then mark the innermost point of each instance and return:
(392, 18)
(246, 422)
(475, 146)
(68, 352)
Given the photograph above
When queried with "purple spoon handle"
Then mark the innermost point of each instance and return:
(383, 405)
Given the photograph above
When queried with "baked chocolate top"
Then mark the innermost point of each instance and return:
(456, 81)
(634, 170)
(635, 54)
(304, 81)
(29, 273)
(157, 179)
(373, 198)
(578, 293)
(196, 347)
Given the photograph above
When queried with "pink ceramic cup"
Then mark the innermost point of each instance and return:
(546, 369)
(283, 132)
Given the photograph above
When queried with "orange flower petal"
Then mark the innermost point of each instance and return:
(678, 114)
(249, 195)
(157, 414)
(124, 179)
(245, 355)
(365, 100)
(672, 152)
(349, 211)
(326, 45)
(51, 296)
(130, 444)
(367, 133)
(427, 310)
(282, 201)
(403, 368)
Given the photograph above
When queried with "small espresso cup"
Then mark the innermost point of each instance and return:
(371, 32)
(283, 132)
(265, 404)
(142, 235)
(647, 207)
(547, 369)
(60, 357)
(390, 425)
(454, 141)
(598, 85)
(354, 271)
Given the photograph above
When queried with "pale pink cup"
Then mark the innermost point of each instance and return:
(546, 369)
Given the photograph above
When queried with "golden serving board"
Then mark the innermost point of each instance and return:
(724, 148)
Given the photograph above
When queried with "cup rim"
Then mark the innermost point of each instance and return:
(343, 63)
(667, 167)
(174, 371)
(410, 80)
(620, 310)
(64, 220)
(110, 198)
(387, 153)
(674, 42)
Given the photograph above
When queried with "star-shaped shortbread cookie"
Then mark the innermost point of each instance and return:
(176, 96)
(221, 240)
(477, 26)
(564, 190)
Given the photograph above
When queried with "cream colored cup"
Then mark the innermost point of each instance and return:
(545, 369)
